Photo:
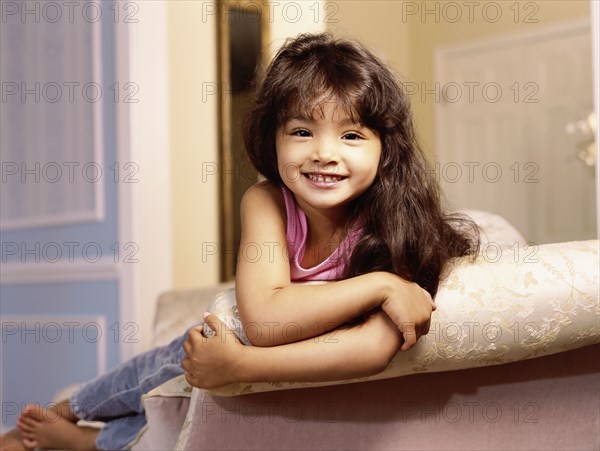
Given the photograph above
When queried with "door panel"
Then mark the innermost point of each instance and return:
(62, 260)
(508, 144)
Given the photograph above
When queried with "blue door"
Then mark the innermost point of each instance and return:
(61, 255)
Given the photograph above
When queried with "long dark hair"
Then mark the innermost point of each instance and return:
(404, 228)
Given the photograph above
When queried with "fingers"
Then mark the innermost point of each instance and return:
(425, 327)
(213, 322)
(194, 340)
(413, 319)
(187, 347)
(429, 299)
(220, 329)
(412, 332)
(185, 364)
(190, 379)
(409, 333)
(189, 376)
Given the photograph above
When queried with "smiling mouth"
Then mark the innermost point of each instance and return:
(324, 178)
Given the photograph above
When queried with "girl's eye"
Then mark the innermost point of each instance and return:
(352, 136)
(301, 133)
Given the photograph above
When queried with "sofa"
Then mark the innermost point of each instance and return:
(511, 362)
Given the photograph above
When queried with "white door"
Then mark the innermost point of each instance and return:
(502, 137)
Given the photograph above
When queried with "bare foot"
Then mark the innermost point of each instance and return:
(45, 428)
(12, 441)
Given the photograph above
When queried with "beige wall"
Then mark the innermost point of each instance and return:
(194, 142)
(406, 34)
(289, 18)
(375, 24)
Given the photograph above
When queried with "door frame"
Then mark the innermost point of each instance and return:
(142, 136)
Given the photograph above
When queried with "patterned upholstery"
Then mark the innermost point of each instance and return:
(515, 302)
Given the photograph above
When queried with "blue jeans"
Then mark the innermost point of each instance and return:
(116, 397)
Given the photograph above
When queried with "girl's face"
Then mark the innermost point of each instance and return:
(327, 161)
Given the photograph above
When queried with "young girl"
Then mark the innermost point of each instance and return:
(349, 199)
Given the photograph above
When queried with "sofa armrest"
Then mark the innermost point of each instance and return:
(520, 303)
(523, 302)
(178, 310)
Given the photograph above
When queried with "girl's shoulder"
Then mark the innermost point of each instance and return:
(265, 197)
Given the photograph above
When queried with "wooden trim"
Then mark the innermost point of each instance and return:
(225, 159)
(226, 213)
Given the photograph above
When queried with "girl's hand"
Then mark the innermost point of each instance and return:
(409, 306)
(211, 362)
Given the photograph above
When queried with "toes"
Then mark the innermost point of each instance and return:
(34, 411)
(30, 443)
(28, 435)
(26, 425)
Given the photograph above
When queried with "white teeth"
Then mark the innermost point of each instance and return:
(324, 178)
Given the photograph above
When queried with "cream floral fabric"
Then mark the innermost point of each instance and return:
(178, 310)
(513, 303)
(224, 305)
(495, 230)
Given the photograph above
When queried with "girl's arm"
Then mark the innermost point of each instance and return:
(274, 311)
(361, 350)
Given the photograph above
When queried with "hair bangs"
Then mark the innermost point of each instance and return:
(317, 83)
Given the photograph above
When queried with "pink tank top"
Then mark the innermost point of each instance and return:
(331, 268)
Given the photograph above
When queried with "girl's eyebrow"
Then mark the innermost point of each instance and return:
(343, 123)
(299, 118)
(349, 121)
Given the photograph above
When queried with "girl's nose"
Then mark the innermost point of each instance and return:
(325, 153)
